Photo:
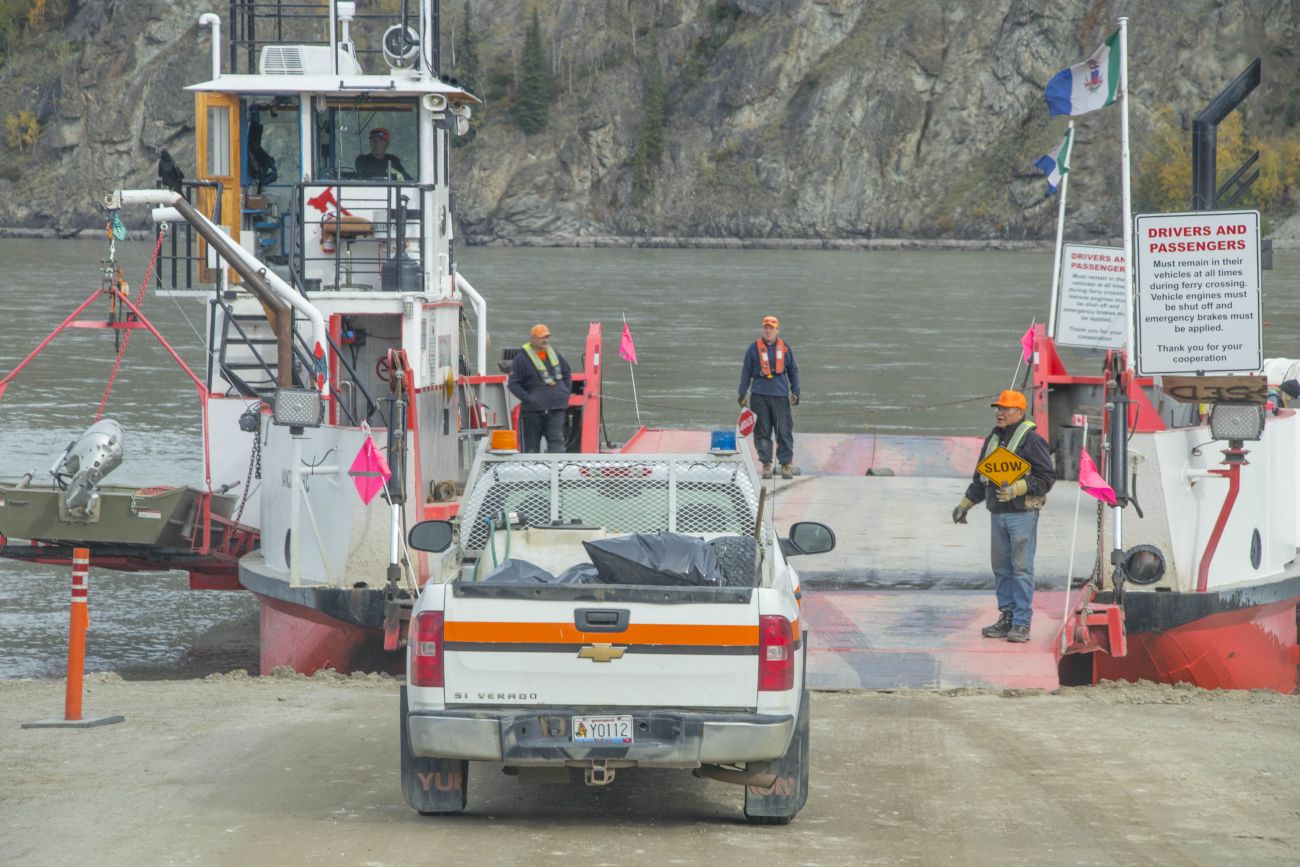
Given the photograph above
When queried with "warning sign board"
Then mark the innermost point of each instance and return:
(1003, 467)
(1092, 303)
(745, 424)
(1198, 292)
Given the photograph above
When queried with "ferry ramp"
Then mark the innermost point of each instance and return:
(901, 600)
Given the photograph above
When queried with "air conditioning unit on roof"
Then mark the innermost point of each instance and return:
(304, 60)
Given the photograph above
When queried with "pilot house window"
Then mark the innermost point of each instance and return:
(367, 140)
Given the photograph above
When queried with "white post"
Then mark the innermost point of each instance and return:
(632, 369)
(211, 19)
(1060, 229)
(1117, 514)
(334, 37)
(1129, 360)
(1074, 538)
(295, 509)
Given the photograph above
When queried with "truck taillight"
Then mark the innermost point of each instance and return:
(426, 649)
(775, 653)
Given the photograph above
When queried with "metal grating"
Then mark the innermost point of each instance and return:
(687, 495)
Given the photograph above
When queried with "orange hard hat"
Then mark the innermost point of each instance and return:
(380, 133)
(539, 330)
(771, 320)
(1011, 400)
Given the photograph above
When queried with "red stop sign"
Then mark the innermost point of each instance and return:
(745, 425)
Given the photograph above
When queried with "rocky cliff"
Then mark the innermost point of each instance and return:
(837, 119)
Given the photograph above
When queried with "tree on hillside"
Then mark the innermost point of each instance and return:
(537, 88)
(467, 54)
(650, 141)
(1163, 179)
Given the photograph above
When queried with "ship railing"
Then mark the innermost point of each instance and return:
(370, 237)
(255, 24)
(179, 258)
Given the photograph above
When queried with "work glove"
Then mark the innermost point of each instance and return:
(743, 400)
(794, 399)
(959, 513)
(1018, 488)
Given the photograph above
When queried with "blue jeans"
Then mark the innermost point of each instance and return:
(1015, 535)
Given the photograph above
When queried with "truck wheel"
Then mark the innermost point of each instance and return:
(778, 803)
(432, 786)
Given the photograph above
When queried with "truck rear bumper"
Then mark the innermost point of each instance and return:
(661, 738)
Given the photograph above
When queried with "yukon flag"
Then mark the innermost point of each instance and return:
(1087, 86)
(1056, 163)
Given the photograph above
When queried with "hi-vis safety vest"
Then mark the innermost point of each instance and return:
(551, 376)
(763, 361)
(1013, 445)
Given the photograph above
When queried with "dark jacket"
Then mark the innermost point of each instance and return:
(752, 378)
(535, 395)
(368, 166)
(1042, 471)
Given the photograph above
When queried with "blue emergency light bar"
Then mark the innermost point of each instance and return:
(722, 441)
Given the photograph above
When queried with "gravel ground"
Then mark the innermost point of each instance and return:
(289, 770)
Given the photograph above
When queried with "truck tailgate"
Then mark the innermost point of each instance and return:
(628, 647)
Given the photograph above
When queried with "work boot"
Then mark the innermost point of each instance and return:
(1018, 634)
(999, 629)
(767, 471)
(787, 471)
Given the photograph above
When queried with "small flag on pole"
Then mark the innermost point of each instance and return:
(626, 348)
(1056, 163)
(1091, 482)
(1086, 86)
(1027, 344)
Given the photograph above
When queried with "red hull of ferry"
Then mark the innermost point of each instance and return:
(308, 641)
(1247, 648)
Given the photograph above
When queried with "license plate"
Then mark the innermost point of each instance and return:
(602, 729)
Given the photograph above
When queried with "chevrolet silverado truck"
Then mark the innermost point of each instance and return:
(590, 613)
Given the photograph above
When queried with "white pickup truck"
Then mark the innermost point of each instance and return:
(601, 612)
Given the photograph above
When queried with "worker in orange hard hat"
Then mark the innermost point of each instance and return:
(1013, 513)
(769, 385)
(543, 381)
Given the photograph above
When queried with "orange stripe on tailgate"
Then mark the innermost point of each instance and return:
(567, 633)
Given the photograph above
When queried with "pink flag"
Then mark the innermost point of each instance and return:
(1027, 343)
(1091, 481)
(626, 348)
(369, 471)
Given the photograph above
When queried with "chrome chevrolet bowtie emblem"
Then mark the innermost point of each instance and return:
(601, 652)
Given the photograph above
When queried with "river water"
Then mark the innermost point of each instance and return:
(876, 335)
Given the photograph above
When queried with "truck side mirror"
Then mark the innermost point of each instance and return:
(432, 536)
(808, 537)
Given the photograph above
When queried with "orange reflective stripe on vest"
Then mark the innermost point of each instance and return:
(763, 361)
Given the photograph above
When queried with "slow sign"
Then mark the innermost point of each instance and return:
(1003, 467)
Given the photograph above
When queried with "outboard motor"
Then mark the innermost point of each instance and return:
(85, 463)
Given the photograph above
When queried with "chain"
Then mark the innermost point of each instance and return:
(1095, 578)
(254, 467)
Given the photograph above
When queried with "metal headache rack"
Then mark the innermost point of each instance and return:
(683, 494)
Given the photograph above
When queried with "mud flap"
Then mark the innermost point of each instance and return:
(778, 803)
(431, 786)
